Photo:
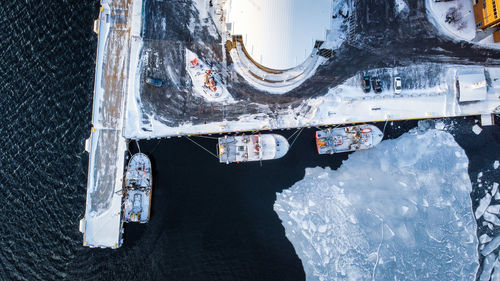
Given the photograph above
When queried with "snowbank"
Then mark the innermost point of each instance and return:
(464, 28)
(401, 6)
(400, 211)
(197, 72)
(488, 42)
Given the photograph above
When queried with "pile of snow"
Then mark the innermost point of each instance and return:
(197, 72)
(489, 42)
(401, 6)
(338, 26)
(200, 19)
(400, 211)
(464, 26)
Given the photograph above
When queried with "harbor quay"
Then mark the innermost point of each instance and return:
(169, 69)
(102, 224)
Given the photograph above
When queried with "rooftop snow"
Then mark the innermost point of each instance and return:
(279, 34)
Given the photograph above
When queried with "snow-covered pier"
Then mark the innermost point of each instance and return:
(251, 99)
(117, 24)
(429, 91)
(440, 79)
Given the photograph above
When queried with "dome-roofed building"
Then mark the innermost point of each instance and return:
(274, 44)
(279, 34)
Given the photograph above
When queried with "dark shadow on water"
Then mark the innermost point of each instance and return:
(212, 221)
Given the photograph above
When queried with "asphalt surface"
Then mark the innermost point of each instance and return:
(382, 38)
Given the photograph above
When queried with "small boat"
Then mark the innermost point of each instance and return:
(345, 139)
(247, 148)
(138, 187)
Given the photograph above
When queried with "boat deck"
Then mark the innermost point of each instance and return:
(137, 205)
(246, 148)
(336, 140)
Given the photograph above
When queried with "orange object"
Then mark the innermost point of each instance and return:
(496, 36)
(209, 80)
(366, 130)
(194, 62)
(485, 14)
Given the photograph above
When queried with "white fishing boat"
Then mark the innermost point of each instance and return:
(138, 187)
(247, 148)
(345, 139)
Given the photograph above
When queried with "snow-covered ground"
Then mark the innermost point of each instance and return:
(203, 18)
(102, 225)
(422, 97)
(401, 6)
(488, 42)
(288, 79)
(400, 211)
(464, 27)
(338, 26)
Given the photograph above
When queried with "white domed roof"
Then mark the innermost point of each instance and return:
(279, 34)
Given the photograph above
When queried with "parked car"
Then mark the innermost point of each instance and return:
(397, 84)
(376, 85)
(365, 83)
(154, 82)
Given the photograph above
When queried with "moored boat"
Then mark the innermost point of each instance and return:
(138, 188)
(247, 148)
(345, 139)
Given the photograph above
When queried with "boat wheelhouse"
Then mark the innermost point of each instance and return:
(247, 148)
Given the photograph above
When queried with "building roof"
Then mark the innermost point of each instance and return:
(279, 34)
(472, 86)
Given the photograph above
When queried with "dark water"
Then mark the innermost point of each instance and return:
(209, 221)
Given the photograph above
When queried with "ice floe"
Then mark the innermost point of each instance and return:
(483, 204)
(476, 129)
(492, 246)
(489, 263)
(402, 212)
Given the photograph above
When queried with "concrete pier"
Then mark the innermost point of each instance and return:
(102, 225)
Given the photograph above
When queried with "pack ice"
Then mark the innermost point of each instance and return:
(400, 211)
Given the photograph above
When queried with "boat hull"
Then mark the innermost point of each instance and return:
(249, 148)
(347, 139)
(138, 189)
